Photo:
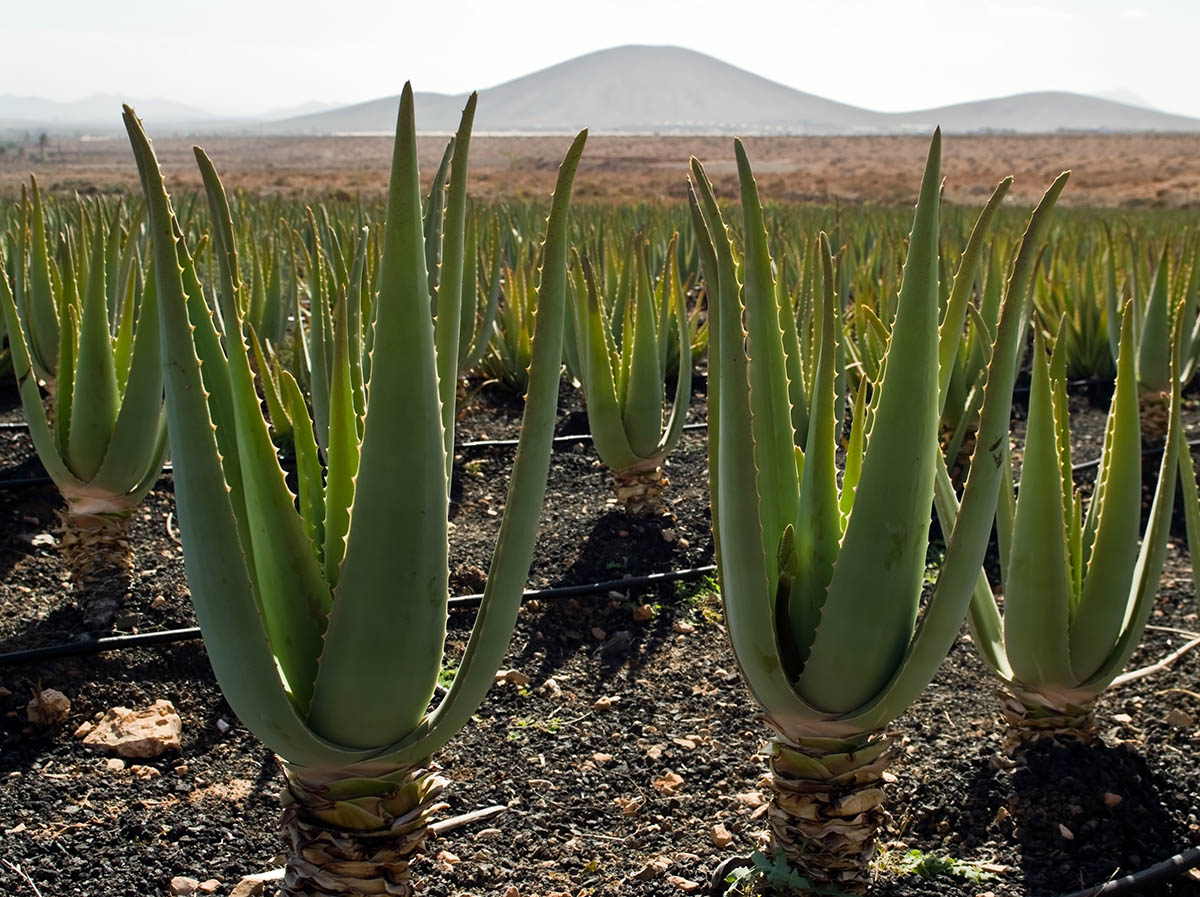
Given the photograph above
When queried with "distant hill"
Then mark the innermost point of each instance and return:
(630, 89)
(641, 89)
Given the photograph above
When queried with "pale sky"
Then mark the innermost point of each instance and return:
(238, 57)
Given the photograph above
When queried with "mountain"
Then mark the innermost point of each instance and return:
(642, 89)
(98, 110)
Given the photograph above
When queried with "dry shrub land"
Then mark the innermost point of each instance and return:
(1109, 170)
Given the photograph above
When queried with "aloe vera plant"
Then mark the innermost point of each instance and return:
(1077, 590)
(803, 563)
(621, 350)
(324, 614)
(103, 445)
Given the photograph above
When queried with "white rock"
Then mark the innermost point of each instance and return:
(138, 733)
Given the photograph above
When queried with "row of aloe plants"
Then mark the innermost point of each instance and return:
(302, 626)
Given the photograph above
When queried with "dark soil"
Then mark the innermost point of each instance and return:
(581, 756)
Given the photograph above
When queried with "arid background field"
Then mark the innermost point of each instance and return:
(1109, 170)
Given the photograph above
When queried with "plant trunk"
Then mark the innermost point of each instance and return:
(98, 554)
(355, 832)
(640, 491)
(827, 806)
(1031, 717)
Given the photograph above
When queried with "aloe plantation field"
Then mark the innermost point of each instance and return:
(712, 542)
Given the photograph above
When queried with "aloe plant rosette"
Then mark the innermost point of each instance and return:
(1078, 591)
(803, 565)
(103, 446)
(324, 616)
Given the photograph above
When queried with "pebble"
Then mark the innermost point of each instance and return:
(514, 677)
(684, 884)
(643, 613)
(209, 886)
(247, 887)
(720, 836)
(605, 703)
(1181, 719)
(182, 886)
(138, 733)
(47, 707)
(114, 764)
(144, 773)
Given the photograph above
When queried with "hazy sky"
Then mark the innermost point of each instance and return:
(244, 57)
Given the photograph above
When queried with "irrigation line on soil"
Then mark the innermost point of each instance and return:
(97, 645)
(21, 482)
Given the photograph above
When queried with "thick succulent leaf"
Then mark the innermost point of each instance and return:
(1191, 509)
(1105, 597)
(343, 448)
(401, 498)
(599, 385)
(220, 584)
(135, 448)
(44, 442)
(818, 527)
(643, 410)
(43, 309)
(292, 590)
(956, 308)
(748, 584)
(882, 562)
(518, 531)
(96, 398)
(309, 474)
(450, 283)
(1154, 346)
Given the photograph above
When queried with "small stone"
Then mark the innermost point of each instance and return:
(247, 887)
(42, 540)
(223, 726)
(683, 626)
(668, 784)
(1066, 832)
(668, 535)
(1181, 719)
(720, 836)
(624, 533)
(605, 703)
(1112, 800)
(599, 634)
(686, 743)
(551, 689)
(114, 764)
(158, 603)
(84, 728)
(488, 834)
(684, 884)
(752, 799)
(138, 733)
(643, 613)
(47, 707)
(512, 892)
(653, 869)
(629, 805)
(513, 677)
(1123, 718)
(181, 769)
(209, 886)
(144, 773)
(445, 856)
(182, 886)
(602, 759)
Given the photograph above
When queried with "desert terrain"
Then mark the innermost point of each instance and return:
(1109, 170)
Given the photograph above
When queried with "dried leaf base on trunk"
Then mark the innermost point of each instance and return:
(827, 806)
(1155, 411)
(98, 553)
(640, 491)
(1030, 718)
(355, 832)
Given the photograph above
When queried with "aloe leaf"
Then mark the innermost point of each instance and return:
(44, 440)
(518, 531)
(294, 595)
(96, 399)
(309, 475)
(770, 414)
(643, 410)
(609, 435)
(450, 285)
(748, 580)
(1154, 348)
(279, 415)
(882, 561)
(134, 451)
(68, 338)
(402, 497)
(1037, 583)
(683, 381)
(219, 580)
(818, 529)
(343, 448)
(956, 308)
(43, 312)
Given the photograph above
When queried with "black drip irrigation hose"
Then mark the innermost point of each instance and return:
(1158, 874)
(97, 645)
